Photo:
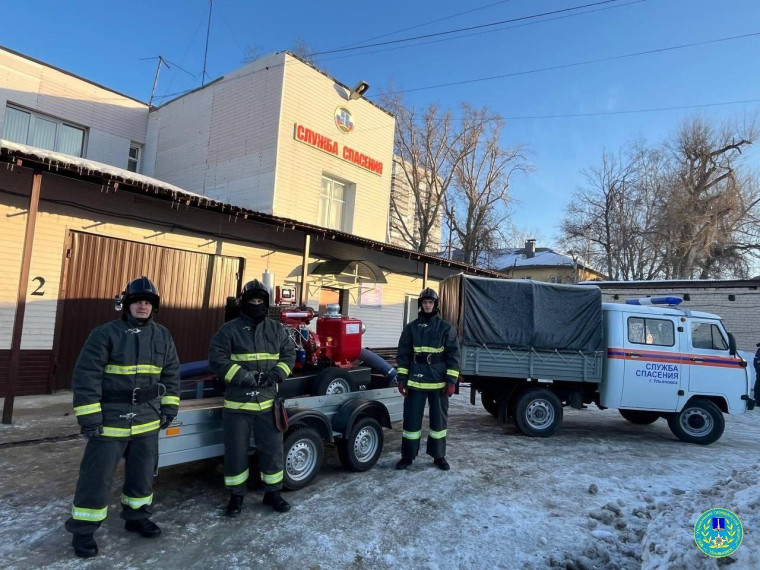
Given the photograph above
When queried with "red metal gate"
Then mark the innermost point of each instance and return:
(193, 287)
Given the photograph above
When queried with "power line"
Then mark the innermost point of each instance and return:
(466, 29)
(631, 111)
(482, 32)
(423, 24)
(574, 64)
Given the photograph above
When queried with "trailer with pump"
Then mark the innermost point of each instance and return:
(328, 400)
(531, 348)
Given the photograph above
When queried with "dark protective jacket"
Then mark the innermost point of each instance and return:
(428, 354)
(241, 346)
(117, 376)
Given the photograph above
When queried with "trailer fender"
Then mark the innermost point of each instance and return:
(313, 419)
(350, 412)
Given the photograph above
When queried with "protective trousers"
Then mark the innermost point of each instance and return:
(237, 436)
(101, 457)
(414, 409)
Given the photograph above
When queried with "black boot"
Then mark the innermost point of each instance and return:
(145, 527)
(275, 500)
(235, 505)
(84, 545)
(403, 464)
(442, 464)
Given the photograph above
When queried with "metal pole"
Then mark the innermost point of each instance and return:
(205, 53)
(425, 276)
(155, 80)
(304, 293)
(18, 322)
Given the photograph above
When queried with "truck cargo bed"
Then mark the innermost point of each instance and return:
(526, 363)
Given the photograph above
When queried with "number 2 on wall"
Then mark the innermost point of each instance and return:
(38, 290)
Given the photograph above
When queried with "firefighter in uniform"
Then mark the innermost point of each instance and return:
(126, 388)
(253, 354)
(428, 368)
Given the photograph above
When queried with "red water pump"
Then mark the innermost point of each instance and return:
(337, 341)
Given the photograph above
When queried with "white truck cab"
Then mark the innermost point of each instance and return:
(675, 363)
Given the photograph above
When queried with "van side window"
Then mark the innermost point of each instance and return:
(707, 336)
(658, 332)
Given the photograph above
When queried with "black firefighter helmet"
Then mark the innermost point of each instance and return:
(140, 289)
(427, 293)
(253, 289)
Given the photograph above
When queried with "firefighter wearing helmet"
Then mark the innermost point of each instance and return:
(428, 368)
(126, 388)
(252, 354)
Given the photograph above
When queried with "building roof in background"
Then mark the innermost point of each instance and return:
(544, 257)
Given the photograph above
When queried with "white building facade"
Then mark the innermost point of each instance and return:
(280, 137)
(49, 108)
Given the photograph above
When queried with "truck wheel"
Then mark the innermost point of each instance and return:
(700, 421)
(490, 404)
(640, 417)
(304, 453)
(538, 413)
(330, 381)
(361, 448)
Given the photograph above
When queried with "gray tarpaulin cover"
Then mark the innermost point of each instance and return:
(523, 314)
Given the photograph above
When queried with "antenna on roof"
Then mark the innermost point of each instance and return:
(205, 53)
(161, 60)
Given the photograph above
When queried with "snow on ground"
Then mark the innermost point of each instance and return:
(601, 493)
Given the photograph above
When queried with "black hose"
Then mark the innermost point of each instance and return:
(378, 364)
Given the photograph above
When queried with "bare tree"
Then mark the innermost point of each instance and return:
(683, 210)
(712, 207)
(252, 53)
(302, 49)
(594, 213)
(477, 206)
(424, 169)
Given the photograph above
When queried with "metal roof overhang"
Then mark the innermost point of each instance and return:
(326, 243)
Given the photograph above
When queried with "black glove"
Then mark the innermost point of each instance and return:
(270, 379)
(402, 379)
(166, 420)
(251, 378)
(91, 432)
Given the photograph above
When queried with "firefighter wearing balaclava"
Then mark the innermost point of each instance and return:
(252, 354)
(428, 368)
(126, 387)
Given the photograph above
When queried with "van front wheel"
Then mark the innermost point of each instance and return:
(538, 413)
(700, 421)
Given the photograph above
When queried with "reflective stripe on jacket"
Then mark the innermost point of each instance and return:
(241, 346)
(121, 356)
(431, 337)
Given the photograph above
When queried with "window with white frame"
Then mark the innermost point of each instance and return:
(332, 204)
(135, 152)
(34, 129)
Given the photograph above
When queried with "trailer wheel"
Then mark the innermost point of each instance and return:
(490, 403)
(362, 446)
(700, 421)
(304, 453)
(332, 380)
(538, 413)
(640, 417)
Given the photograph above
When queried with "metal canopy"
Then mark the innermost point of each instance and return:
(361, 269)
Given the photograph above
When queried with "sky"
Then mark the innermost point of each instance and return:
(113, 43)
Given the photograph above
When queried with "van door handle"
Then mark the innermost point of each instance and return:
(694, 359)
(632, 354)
